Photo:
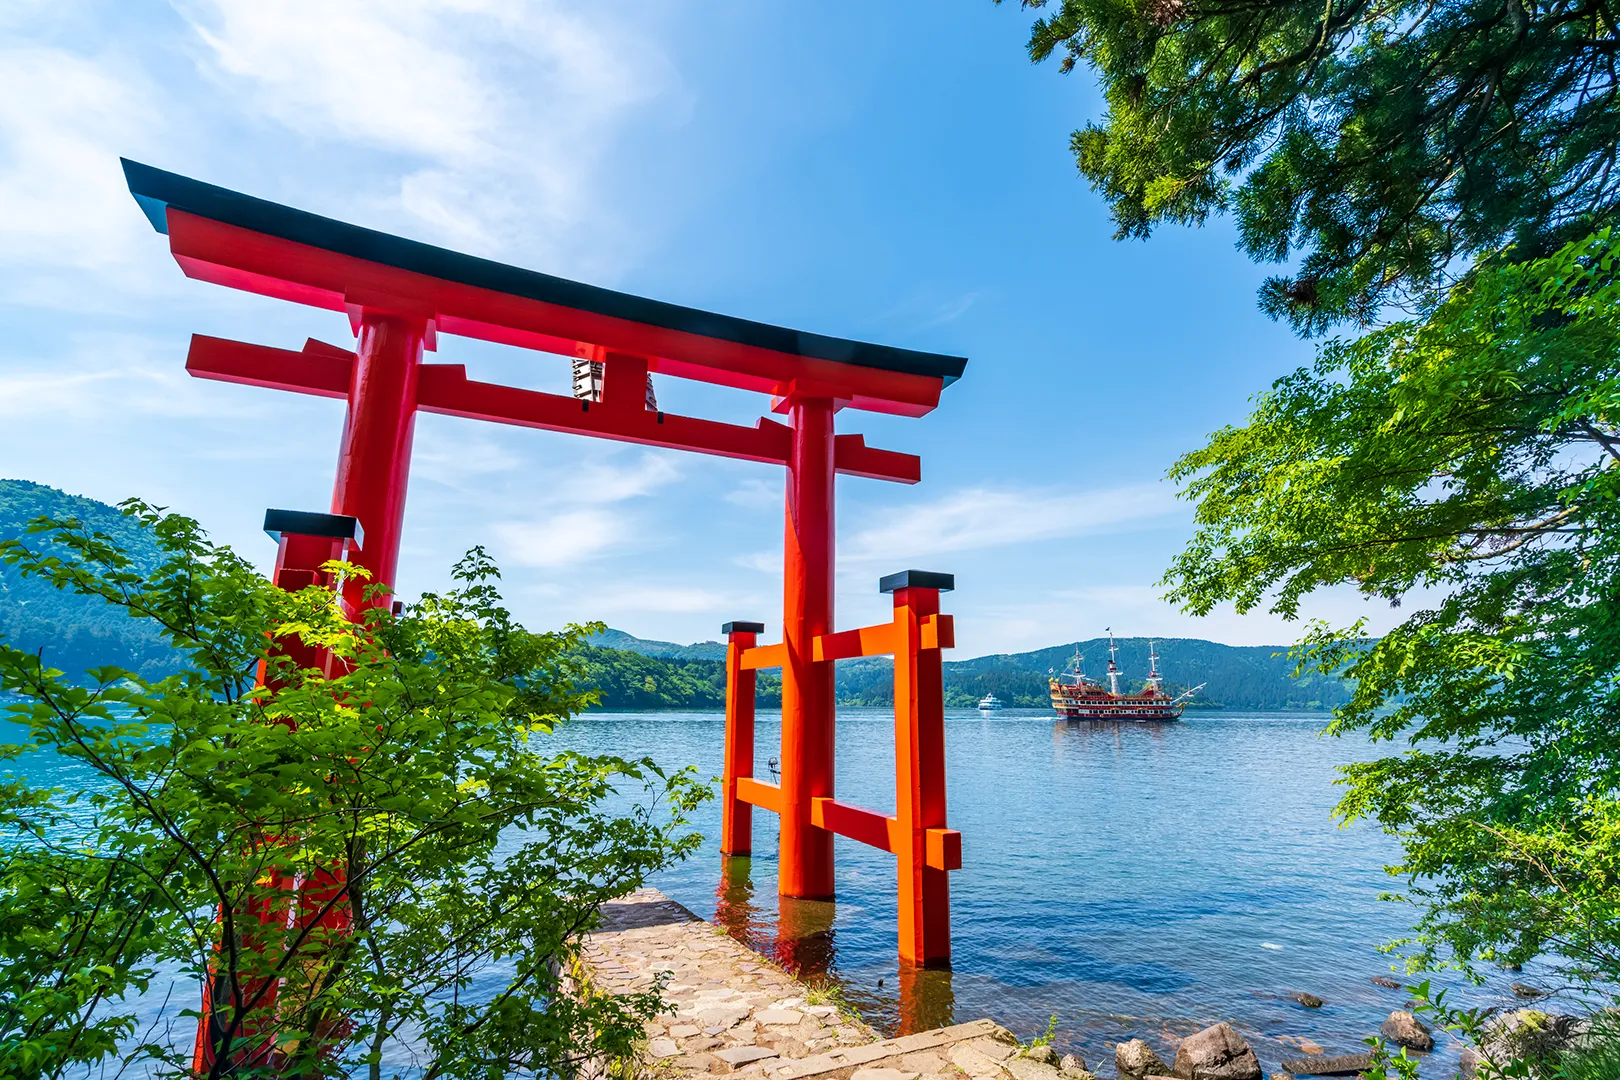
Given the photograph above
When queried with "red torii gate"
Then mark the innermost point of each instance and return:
(400, 294)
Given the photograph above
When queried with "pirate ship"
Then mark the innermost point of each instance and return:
(1076, 697)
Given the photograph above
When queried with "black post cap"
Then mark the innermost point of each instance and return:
(743, 628)
(917, 579)
(307, 523)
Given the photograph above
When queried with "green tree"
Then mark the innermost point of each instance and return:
(1381, 145)
(1468, 460)
(379, 862)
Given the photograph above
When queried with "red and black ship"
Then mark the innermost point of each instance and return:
(1076, 697)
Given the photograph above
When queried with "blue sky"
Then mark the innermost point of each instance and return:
(893, 172)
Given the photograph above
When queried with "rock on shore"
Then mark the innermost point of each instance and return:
(1216, 1053)
(1524, 1035)
(1135, 1059)
(1404, 1029)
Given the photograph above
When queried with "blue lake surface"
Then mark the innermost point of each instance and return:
(1132, 880)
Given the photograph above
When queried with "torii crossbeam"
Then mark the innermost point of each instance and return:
(400, 295)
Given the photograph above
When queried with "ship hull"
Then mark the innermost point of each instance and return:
(1121, 714)
(1109, 708)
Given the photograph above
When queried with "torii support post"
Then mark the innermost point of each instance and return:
(374, 460)
(926, 850)
(304, 542)
(808, 719)
(736, 816)
(919, 765)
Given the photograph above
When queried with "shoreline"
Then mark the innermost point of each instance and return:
(732, 1010)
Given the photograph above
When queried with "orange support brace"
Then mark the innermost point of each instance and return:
(763, 656)
(736, 815)
(759, 793)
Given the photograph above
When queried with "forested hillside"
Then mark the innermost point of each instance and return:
(664, 650)
(70, 632)
(1237, 677)
(75, 633)
(631, 680)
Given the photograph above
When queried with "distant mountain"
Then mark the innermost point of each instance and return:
(664, 650)
(75, 633)
(1236, 676)
(72, 632)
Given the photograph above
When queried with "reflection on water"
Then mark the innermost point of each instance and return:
(1110, 732)
(925, 999)
(804, 936)
(803, 940)
(734, 903)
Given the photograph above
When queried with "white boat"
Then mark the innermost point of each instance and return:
(989, 703)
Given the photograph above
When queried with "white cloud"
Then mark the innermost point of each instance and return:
(455, 456)
(664, 599)
(563, 539)
(1139, 610)
(605, 481)
(756, 494)
(63, 121)
(766, 562)
(503, 111)
(952, 309)
(388, 74)
(978, 518)
(122, 376)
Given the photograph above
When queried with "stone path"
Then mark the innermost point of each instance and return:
(732, 1011)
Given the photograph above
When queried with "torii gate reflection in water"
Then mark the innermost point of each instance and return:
(400, 295)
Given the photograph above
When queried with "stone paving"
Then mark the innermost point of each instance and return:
(732, 1011)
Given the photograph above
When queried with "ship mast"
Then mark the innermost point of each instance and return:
(1113, 668)
(1154, 679)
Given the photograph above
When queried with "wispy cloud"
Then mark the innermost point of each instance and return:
(755, 494)
(459, 455)
(114, 375)
(765, 562)
(501, 111)
(580, 519)
(63, 121)
(978, 518)
(611, 481)
(664, 599)
(952, 309)
(562, 539)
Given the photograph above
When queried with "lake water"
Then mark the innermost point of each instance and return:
(1132, 880)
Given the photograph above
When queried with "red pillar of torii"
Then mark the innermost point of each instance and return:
(400, 295)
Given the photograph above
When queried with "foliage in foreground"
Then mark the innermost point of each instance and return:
(402, 788)
(1383, 146)
(1467, 463)
(1541, 1053)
